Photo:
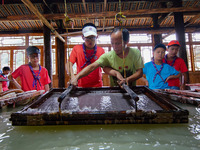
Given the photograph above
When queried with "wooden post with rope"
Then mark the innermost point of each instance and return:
(70, 87)
(68, 20)
(119, 17)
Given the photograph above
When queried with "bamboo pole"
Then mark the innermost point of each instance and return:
(42, 18)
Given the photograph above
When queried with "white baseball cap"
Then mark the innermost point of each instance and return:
(89, 30)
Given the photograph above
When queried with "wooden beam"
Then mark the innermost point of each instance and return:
(51, 16)
(107, 14)
(74, 1)
(135, 12)
(191, 20)
(42, 18)
(104, 22)
(80, 32)
(84, 5)
(71, 1)
(105, 4)
(185, 25)
(104, 18)
(163, 17)
(107, 32)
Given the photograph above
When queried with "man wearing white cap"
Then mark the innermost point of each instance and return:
(85, 54)
(123, 64)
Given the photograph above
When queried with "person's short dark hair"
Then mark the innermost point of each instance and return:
(124, 31)
(159, 45)
(32, 50)
(6, 68)
(88, 24)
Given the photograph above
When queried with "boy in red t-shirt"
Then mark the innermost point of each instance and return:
(178, 63)
(4, 75)
(85, 54)
(32, 75)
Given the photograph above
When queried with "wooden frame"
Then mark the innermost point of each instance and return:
(45, 111)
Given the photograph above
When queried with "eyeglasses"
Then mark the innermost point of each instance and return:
(90, 38)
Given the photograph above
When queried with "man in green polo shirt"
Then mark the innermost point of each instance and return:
(114, 62)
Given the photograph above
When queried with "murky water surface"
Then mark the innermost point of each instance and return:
(81, 102)
(101, 137)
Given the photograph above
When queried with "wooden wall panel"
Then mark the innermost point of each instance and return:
(194, 77)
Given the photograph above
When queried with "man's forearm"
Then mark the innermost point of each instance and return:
(87, 70)
(138, 74)
(69, 68)
(175, 76)
(16, 83)
(110, 71)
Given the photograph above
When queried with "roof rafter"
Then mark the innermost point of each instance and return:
(106, 14)
(42, 18)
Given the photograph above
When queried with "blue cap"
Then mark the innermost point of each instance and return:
(32, 50)
(159, 45)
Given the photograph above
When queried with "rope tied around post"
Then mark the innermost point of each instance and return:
(120, 17)
(68, 20)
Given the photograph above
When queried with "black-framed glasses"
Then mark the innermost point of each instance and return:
(90, 38)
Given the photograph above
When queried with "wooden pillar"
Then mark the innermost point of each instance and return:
(60, 51)
(191, 53)
(157, 37)
(180, 32)
(180, 35)
(47, 52)
(60, 62)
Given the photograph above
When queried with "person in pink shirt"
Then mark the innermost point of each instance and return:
(32, 75)
(85, 54)
(178, 63)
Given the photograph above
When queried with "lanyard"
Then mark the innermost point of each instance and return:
(174, 59)
(88, 59)
(157, 71)
(35, 77)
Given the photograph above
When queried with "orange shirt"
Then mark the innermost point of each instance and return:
(94, 79)
(27, 79)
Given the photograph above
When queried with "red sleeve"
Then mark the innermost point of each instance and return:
(17, 72)
(102, 51)
(46, 79)
(73, 55)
